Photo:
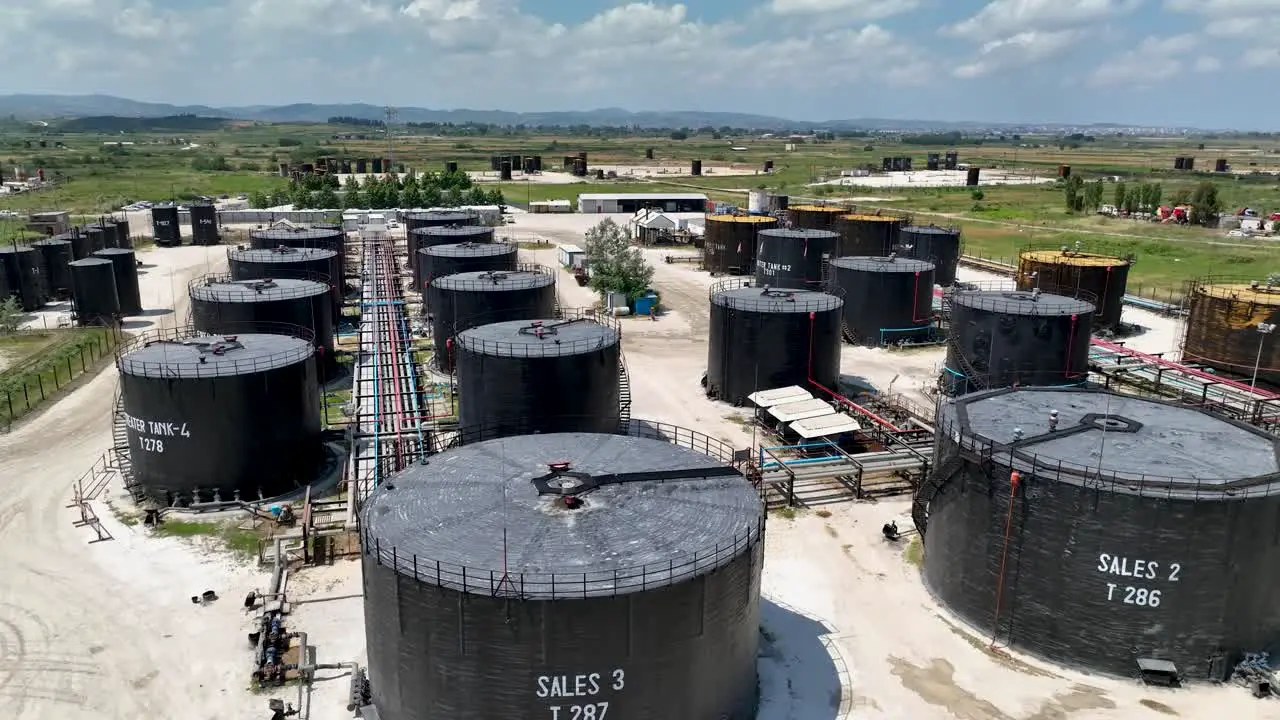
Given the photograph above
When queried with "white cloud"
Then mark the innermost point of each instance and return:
(1214, 7)
(1015, 51)
(1003, 18)
(1261, 57)
(1152, 62)
(857, 9)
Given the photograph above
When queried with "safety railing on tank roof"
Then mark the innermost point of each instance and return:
(263, 289)
(502, 245)
(1030, 465)
(524, 277)
(281, 254)
(1226, 287)
(810, 299)
(1015, 301)
(1100, 250)
(297, 233)
(193, 368)
(454, 230)
(638, 428)
(537, 330)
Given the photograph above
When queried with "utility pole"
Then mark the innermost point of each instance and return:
(391, 115)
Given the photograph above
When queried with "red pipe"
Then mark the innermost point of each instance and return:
(915, 299)
(1182, 368)
(838, 397)
(1014, 479)
(1071, 344)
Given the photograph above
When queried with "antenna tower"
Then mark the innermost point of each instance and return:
(391, 115)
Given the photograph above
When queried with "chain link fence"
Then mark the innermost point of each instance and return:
(27, 384)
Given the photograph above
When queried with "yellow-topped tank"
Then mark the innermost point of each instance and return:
(814, 217)
(868, 235)
(1065, 271)
(1222, 327)
(729, 242)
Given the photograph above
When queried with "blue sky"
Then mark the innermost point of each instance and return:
(1204, 63)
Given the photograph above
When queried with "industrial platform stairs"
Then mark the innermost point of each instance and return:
(929, 488)
(624, 394)
(119, 453)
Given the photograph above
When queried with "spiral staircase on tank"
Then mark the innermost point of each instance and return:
(942, 475)
(120, 447)
(624, 394)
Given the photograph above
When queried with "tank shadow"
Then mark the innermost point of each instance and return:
(154, 312)
(802, 676)
(856, 384)
(136, 324)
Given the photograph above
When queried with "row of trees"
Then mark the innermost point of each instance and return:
(1143, 198)
(388, 191)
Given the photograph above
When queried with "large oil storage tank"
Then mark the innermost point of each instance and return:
(325, 238)
(204, 224)
(526, 376)
(23, 267)
(938, 245)
(1001, 338)
(867, 235)
(97, 236)
(57, 254)
(814, 217)
(1065, 271)
(766, 338)
(212, 417)
(789, 258)
(81, 244)
(730, 241)
(430, 235)
(124, 236)
(300, 263)
(465, 300)
(164, 225)
(439, 218)
(110, 235)
(125, 266)
(886, 299)
(222, 305)
(93, 291)
(618, 573)
(1096, 530)
(440, 260)
(1222, 327)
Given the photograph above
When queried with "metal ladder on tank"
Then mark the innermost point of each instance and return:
(942, 474)
(624, 395)
(120, 446)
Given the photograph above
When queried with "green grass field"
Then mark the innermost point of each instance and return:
(95, 177)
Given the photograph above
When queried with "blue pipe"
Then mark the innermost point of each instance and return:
(413, 382)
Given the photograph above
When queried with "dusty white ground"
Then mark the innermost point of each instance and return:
(939, 178)
(106, 631)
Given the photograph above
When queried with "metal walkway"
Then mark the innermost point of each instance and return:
(826, 474)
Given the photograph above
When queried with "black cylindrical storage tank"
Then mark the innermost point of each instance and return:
(440, 260)
(451, 167)
(528, 165)
(1065, 272)
(164, 225)
(56, 254)
(1135, 529)
(787, 258)
(346, 167)
(762, 339)
(938, 245)
(222, 305)
(537, 163)
(442, 233)
(1004, 338)
(323, 238)
(495, 162)
(545, 376)
(1220, 165)
(768, 166)
(505, 172)
(648, 153)
(886, 299)
(377, 166)
(93, 292)
(81, 244)
(124, 238)
(5, 291)
(24, 269)
(730, 242)
(125, 265)
(110, 235)
(362, 166)
(971, 179)
(213, 417)
(204, 224)
(696, 168)
(318, 264)
(814, 217)
(1222, 327)
(867, 235)
(465, 300)
(580, 167)
(629, 582)
(97, 236)
(439, 218)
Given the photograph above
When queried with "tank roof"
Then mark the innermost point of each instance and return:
(281, 254)
(495, 280)
(1262, 294)
(223, 289)
(54, 241)
(479, 507)
(753, 219)
(18, 249)
(798, 234)
(931, 230)
(539, 338)
(295, 233)
(1147, 444)
(114, 251)
(459, 215)
(883, 264)
(770, 300)
(89, 261)
(209, 356)
(865, 217)
(1072, 258)
(1018, 302)
(454, 230)
(469, 249)
(820, 208)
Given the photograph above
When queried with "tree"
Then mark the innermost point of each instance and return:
(1120, 196)
(10, 315)
(615, 265)
(354, 198)
(1205, 204)
(1155, 191)
(411, 196)
(259, 200)
(1181, 196)
(1093, 196)
(1073, 187)
(326, 199)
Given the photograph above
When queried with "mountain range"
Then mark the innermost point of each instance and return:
(53, 107)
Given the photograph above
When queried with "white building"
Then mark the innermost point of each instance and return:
(550, 206)
(631, 202)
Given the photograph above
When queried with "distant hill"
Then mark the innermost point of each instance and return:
(52, 107)
(116, 124)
